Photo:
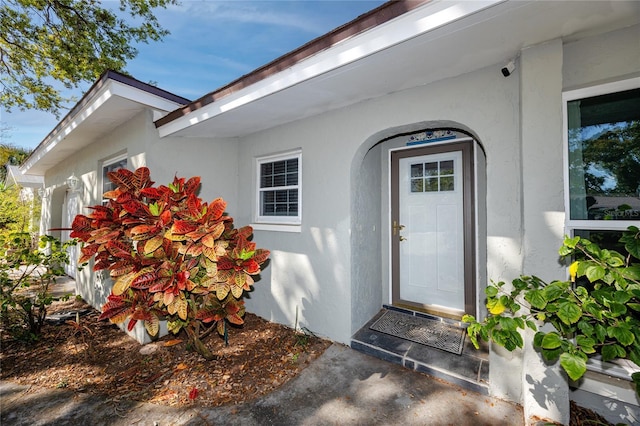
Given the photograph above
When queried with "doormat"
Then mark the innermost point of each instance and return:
(437, 334)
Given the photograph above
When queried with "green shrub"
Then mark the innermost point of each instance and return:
(26, 276)
(599, 316)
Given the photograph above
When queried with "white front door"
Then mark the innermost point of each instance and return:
(428, 229)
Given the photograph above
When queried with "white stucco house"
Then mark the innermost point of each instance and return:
(432, 139)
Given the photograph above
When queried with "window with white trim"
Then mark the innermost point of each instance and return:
(602, 134)
(279, 180)
(111, 165)
(602, 168)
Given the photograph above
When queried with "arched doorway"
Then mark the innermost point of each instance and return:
(373, 213)
(426, 189)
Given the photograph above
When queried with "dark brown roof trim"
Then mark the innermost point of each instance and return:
(115, 76)
(364, 22)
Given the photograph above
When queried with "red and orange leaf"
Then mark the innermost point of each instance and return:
(216, 208)
(235, 319)
(113, 309)
(210, 253)
(261, 255)
(102, 264)
(145, 278)
(208, 315)
(122, 178)
(225, 263)
(236, 291)
(152, 325)
(160, 285)
(192, 185)
(122, 284)
(141, 178)
(251, 267)
(132, 324)
(168, 297)
(153, 244)
(119, 249)
(121, 268)
(112, 195)
(222, 290)
(182, 308)
(182, 227)
(151, 193)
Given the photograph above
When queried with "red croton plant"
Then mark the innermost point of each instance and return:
(171, 256)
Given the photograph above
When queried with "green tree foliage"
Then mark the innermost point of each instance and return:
(602, 316)
(47, 42)
(11, 154)
(616, 152)
(17, 212)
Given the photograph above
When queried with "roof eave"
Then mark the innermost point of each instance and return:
(384, 30)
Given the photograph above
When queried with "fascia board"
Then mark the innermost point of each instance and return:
(109, 90)
(412, 24)
(90, 107)
(143, 97)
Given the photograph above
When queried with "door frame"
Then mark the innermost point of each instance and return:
(466, 146)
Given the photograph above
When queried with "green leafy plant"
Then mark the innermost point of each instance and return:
(596, 312)
(26, 276)
(171, 256)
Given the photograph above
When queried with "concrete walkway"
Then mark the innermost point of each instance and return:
(342, 387)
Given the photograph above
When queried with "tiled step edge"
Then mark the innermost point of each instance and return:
(420, 367)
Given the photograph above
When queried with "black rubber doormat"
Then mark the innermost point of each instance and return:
(436, 334)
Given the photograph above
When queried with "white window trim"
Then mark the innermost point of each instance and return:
(277, 223)
(572, 95)
(617, 368)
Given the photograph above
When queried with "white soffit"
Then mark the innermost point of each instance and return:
(439, 40)
(423, 19)
(112, 105)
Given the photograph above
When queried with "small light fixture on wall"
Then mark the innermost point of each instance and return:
(73, 182)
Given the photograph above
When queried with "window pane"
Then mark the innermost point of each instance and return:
(431, 169)
(266, 181)
(431, 185)
(107, 185)
(446, 167)
(604, 157)
(279, 180)
(417, 185)
(416, 170)
(446, 183)
(292, 165)
(292, 179)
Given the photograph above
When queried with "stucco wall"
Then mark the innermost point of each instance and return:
(214, 160)
(545, 392)
(334, 145)
(602, 58)
(131, 138)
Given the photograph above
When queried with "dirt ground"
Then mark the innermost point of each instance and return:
(97, 357)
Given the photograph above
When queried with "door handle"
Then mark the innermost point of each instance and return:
(397, 228)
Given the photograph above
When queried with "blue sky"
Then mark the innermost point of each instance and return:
(211, 43)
